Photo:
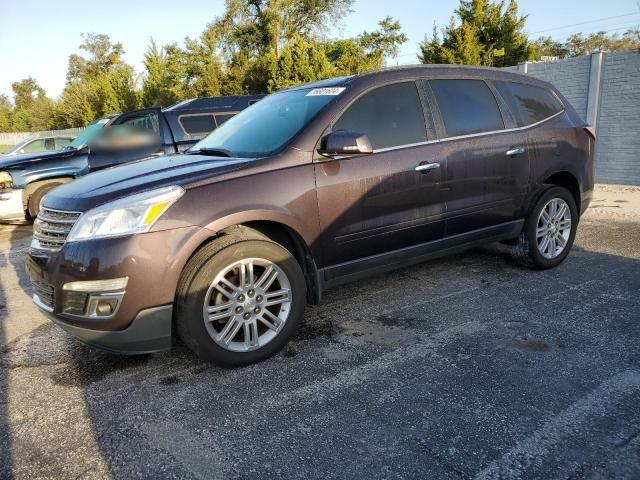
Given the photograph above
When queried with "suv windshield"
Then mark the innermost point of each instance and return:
(268, 125)
(16, 147)
(87, 135)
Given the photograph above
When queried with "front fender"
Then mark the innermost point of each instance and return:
(25, 174)
(281, 216)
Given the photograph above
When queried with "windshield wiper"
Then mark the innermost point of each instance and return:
(214, 152)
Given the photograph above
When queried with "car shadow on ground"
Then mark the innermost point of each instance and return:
(183, 416)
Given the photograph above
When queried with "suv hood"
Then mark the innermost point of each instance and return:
(112, 183)
(8, 161)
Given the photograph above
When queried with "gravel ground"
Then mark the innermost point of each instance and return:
(466, 367)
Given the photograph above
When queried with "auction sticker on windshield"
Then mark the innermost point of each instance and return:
(331, 91)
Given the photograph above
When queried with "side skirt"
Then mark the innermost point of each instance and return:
(384, 262)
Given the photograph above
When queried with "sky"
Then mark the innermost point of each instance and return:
(37, 36)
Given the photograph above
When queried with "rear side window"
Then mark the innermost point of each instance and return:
(221, 118)
(467, 106)
(529, 103)
(197, 124)
(390, 116)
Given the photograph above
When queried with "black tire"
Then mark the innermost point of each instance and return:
(197, 277)
(526, 251)
(33, 202)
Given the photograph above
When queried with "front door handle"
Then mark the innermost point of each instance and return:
(515, 151)
(425, 167)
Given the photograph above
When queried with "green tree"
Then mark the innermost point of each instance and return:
(481, 29)
(368, 51)
(166, 73)
(300, 61)
(33, 109)
(579, 44)
(5, 113)
(547, 46)
(98, 83)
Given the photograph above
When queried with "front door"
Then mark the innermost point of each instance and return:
(487, 166)
(131, 136)
(379, 202)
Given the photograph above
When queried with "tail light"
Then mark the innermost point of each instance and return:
(591, 131)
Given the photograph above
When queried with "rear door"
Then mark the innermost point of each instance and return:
(377, 203)
(147, 126)
(488, 165)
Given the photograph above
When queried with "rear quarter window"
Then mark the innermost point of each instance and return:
(466, 106)
(197, 124)
(530, 104)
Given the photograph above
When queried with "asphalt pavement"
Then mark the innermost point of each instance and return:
(465, 367)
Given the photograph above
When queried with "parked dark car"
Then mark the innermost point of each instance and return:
(311, 187)
(37, 145)
(27, 178)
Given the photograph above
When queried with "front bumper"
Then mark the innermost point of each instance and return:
(149, 332)
(11, 205)
(152, 262)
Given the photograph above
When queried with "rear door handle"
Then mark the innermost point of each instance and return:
(515, 151)
(425, 167)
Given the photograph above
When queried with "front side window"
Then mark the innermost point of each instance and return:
(145, 121)
(270, 124)
(391, 116)
(530, 104)
(61, 142)
(466, 106)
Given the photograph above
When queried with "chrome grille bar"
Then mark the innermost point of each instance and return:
(52, 227)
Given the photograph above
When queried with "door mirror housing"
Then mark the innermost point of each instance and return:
(344, 142)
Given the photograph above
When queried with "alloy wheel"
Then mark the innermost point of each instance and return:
(553, 228)
(247, 304)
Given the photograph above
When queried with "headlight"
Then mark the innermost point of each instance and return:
(6, 182)
(126, 216)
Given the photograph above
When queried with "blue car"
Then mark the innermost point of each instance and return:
(26, 178)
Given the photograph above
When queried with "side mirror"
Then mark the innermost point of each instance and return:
(344, 142)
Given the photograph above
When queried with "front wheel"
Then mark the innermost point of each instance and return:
(239, 300)
(33, 202)
(549, 232)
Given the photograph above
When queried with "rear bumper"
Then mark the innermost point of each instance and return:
(149, 332)
(585, 199)
(11, 205)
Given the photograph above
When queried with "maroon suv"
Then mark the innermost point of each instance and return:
(310, 187)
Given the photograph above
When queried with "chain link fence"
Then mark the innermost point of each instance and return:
(16, 137)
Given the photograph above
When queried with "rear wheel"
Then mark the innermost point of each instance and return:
(240, 300)
(549, 231)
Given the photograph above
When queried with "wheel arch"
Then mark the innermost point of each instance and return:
(567, 180)
(282, 233)
(31, 187)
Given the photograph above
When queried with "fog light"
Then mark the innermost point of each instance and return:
(93, 298)
(104, 308)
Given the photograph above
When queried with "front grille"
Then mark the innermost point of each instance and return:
(52, 228)
(44, 292)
